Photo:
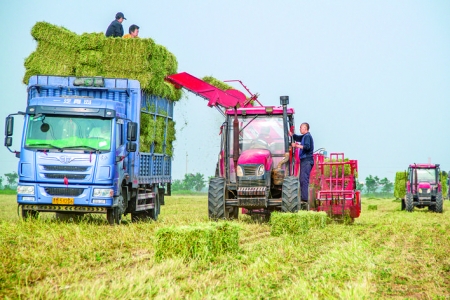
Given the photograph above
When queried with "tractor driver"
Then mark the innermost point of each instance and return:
(263, 138)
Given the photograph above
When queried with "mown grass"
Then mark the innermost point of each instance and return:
(386, 253)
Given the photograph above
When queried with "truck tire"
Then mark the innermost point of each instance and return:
(290, 195)
(216, 198)
(439, 208)
(29, 214)
(114, 215)
(409, 205)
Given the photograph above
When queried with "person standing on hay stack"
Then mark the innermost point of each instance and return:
(306, 146)
(115, 29)
(133, 32)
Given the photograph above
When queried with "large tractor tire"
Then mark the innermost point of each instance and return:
(439, 208)
(290, 195)
(409, 206)
(216, 198)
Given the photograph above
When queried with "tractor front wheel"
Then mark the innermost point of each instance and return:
(290, 195)
(409, 206)
(216, 198)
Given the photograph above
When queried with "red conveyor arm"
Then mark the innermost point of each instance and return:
(215, 96)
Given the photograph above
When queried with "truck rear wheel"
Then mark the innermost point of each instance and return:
(409, 206)
(216, 198)
(439, 208)
(290, 195)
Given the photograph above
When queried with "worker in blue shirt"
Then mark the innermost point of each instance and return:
(115, 29)
(305, 143)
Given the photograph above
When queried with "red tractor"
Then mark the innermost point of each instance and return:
(257, 170)
(423, 188)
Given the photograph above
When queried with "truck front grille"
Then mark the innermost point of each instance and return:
(68, 176)
(65, 168)
(64, 191)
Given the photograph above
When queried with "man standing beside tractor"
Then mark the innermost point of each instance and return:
(306, 146)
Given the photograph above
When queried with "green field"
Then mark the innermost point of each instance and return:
(386, 253)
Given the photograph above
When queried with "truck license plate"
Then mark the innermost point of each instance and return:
(59, 200)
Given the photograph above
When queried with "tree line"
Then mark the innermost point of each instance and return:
(10, 182)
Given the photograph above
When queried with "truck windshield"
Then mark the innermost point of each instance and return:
(426, 175)
(64, 132)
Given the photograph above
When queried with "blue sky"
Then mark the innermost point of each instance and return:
(372, 78)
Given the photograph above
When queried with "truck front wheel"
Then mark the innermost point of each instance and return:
(114, 215)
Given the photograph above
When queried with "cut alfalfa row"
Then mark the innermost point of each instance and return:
(202, 241)
(296, 223)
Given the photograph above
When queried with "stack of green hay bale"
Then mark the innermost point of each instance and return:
(296, 223)
(61, 52)
(197, 241)
(400, 184)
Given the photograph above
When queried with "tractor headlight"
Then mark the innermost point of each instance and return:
(260, 170)
(239, 171)
(25, 189)
(103, 192)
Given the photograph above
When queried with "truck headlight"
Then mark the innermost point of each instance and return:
(239, 171)
(25, 189)
(103, 192)
(260, 170)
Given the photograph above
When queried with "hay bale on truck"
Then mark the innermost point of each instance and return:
(80, 84)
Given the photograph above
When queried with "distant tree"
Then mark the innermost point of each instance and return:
(1, 181)
(372, 184)
(177, 185)
(359, 186)
(11, 178)
(194, 182)
(386, 186)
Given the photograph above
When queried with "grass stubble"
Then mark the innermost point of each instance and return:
(386, 253)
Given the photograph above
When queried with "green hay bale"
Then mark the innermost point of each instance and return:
(217, 83)
(296, 223)
(196, 242)
(160, 134)
(87, 71)
(372, 207)
(147, 132)
(444, 178)
(50, 60)
(171, 132)
(58, 36)
(91, 58)
(130, 55)
(92, 41)
(336, 171)
(400, 184)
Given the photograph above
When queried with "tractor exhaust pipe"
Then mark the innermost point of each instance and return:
(284, 101)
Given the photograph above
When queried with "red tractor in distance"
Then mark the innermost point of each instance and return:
(257, 170)
(423, 188)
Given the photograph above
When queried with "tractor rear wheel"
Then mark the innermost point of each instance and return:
(216, 198)
(403, 204)
(290, 195)
(409, 206)
(439, 208)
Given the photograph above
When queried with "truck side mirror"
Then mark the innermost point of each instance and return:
(8, 141)
(131, 147)
(132, 132)
(9, 126)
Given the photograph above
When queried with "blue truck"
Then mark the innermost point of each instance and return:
(80, 149)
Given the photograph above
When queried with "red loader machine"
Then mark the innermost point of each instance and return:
(257, 170)
(423, 188)
(333, 186)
